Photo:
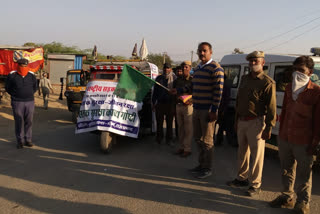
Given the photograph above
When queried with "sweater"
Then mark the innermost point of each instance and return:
(207, 86)
(21, 88)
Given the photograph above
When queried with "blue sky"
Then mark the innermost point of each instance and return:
(175, 27)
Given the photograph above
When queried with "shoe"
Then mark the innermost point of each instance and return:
(302, 208)
(253, 191)
(238, 183)
(282, 201)
(19, 145)
(179, 152)
(185, 154)
(29, 144)
(204, 173)
(195, 170)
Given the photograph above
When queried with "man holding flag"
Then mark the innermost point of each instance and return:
(164, 103)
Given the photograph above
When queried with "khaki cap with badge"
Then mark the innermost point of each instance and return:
(186, 63)
(255, 54)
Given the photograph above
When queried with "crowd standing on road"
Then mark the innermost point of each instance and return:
(255, 115)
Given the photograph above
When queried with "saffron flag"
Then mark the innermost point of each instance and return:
(133, 85)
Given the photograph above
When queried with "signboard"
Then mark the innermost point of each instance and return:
(102, 110)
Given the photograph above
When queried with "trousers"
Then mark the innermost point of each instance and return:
(203, 135)
(184, 118)
(251, 144)
(295, 164)
(23, 116)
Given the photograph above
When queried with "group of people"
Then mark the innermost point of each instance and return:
(21, 85)
(255, 115)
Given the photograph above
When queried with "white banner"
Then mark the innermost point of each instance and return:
(102, 110)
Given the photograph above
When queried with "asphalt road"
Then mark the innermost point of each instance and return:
(67, 173)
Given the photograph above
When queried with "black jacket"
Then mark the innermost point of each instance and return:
(21, 88)
(161, 95)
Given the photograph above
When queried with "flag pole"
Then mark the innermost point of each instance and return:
(162, 86)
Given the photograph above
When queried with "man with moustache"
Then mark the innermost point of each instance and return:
(21, 85)
(255, 117)
(299, 136)
(207, 87)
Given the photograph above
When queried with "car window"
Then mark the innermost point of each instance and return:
(232, 75)
(315, 77)
(282, 76)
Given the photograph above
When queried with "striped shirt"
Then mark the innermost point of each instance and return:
(207, 86)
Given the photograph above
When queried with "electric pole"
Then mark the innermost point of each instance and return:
(164, 57)
(191, 57)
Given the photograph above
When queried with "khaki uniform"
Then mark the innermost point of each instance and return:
(255, 112)
(184, 114)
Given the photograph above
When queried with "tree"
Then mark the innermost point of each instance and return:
(29, 44)
(237, 51)
(157, 59)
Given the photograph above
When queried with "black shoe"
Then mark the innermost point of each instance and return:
(29, 144)
(238, 183)
(19, 145)
(179, 152)
(282, 201)
(185, 154)
(195, 170)
(253, 191)
(204, 173)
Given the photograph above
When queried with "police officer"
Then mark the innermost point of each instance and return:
(255, 117)
(21, 85)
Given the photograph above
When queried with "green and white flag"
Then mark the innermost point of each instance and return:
(133, 85)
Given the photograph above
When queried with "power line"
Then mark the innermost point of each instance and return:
(281, 34)
(313, 28)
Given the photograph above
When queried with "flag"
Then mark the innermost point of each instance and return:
(135, 50)
(143, 50)
(133, 85)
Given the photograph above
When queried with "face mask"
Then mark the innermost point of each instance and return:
(300, 77)
(23, 71)
(299, 83)
(256, 68)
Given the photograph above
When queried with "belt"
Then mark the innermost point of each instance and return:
(247, 118)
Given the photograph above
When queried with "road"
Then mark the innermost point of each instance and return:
(67, 173)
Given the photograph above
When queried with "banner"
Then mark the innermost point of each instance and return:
(102, 110)
(8, 59)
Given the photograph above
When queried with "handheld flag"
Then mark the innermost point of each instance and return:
(133, 85)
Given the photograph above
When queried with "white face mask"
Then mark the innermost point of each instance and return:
(256, 68)
(299, 83)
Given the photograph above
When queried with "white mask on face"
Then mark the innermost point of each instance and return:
(256, 68)
(299, 83)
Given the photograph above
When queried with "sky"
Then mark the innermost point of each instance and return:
(175, 27)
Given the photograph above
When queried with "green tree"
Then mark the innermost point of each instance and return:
(29, 44)
(157, 59)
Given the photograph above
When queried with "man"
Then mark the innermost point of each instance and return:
(184, 110)
(45, 86)
(226, 116)
(255, 117)
(164, 103)
(21, 85)
(207, 87)
(299, 135)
